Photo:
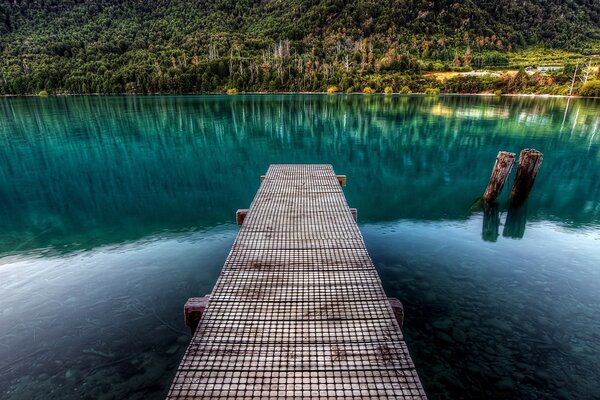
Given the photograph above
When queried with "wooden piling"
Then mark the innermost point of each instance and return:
(530, 161)
(240, 215)
(500, 173)
(193, 310)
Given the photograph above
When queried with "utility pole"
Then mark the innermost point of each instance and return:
(574, 76)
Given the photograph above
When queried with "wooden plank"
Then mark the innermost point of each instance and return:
(299, 310)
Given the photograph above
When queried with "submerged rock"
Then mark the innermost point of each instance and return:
(444, 337)
(459, 335)
(172, 350)
(442, 324)
(498, 324)
(183, 339)
(505, 384)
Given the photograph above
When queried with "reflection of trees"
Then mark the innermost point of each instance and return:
(124, 166)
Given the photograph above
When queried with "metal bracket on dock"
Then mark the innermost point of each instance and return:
(342, 180)
(193, 310)
(262, 178)
(240, 215)
(398, 310)
(354, 212)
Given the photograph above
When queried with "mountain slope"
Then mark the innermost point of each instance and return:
(110, 46)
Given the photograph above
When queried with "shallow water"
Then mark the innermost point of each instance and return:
(115, 210)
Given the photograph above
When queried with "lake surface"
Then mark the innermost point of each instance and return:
(115, 210)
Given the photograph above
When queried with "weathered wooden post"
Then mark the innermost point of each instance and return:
(240, 215)
(193, 310)
(354, 213)
(500, 173)
(530, 161)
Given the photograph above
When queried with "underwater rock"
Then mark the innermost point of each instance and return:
(443, 324)
(172, 350)
(183, 339)
(542, 375)
(505, 384)
(498, 324)
(69, 374)
(444, 337)
(459, 335)
(430, 297)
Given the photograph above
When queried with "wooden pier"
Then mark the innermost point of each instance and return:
(299, 310)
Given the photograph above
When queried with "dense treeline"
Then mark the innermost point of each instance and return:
(180, 46)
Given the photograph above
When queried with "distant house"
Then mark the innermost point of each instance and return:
(548, 68)
(480, 73)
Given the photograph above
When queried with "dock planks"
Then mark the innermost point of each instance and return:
(299, 310)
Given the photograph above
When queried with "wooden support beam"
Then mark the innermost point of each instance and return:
(342, 180)
(193, 310)
(354, 212)
(398, 310)
(240, 215)
(500, 173)
(530, 161)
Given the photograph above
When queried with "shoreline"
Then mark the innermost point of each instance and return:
(533, 95)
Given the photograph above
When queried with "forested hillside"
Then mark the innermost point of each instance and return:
(181, 46)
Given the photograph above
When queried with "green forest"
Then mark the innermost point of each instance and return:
(183, 46)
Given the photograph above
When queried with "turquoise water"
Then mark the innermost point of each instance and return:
(115, 210)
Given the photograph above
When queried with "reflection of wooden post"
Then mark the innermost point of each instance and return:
(529, 164)
(398, 310)
(491, 223)
(516, 218)
(501, 171)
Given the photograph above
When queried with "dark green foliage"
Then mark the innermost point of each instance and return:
(181, 46)
(591, 89)
(466, 84)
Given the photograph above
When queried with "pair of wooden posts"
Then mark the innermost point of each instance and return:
(530, 161)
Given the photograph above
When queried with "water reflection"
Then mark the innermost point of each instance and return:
(121, 167)
(516, 219)
(514, 224)
(491, 222)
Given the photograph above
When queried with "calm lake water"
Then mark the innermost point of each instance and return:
(115, 210)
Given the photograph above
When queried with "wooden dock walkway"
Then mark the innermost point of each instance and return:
(299, 310)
